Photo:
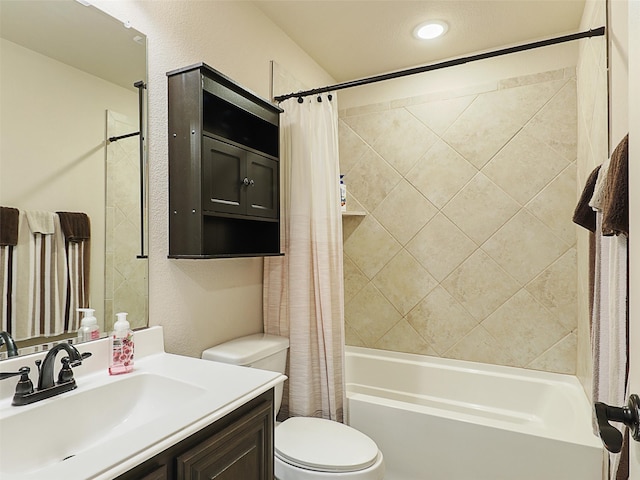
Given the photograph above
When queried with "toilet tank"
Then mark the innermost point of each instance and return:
(260, 350)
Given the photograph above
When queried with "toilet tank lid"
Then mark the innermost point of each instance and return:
(246, 350)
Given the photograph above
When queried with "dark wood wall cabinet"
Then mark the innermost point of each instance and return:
(238, 446)
(224, 181)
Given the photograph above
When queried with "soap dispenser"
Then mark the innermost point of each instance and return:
(121, 346)
(89, 329)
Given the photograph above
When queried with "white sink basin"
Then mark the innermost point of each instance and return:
(53, 430)
(111, 424)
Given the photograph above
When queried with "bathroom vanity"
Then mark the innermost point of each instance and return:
(173, 417)
(239, 445)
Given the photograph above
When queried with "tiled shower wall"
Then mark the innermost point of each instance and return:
(592, 151)
(467, 249)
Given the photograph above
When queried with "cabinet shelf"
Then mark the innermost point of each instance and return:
(354, 213)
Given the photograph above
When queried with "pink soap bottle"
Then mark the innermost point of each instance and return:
(121, 346)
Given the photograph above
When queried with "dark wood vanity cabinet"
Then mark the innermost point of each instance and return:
(224, 182)
(238, 446)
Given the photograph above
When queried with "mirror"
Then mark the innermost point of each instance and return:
(67, 78)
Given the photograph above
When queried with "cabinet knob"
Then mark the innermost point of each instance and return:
(246, 182)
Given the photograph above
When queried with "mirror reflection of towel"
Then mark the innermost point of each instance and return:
(75, 226)
(9, 226)
(41, 222)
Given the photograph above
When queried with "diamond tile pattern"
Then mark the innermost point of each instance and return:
(468, 250)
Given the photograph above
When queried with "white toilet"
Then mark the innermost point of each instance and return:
(305, 448)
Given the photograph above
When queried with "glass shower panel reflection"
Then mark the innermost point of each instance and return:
(126, 275)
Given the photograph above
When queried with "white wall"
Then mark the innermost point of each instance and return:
(203, 302)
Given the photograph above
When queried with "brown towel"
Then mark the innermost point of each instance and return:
(76, 226)
(584, 215)
(615, 205)
(9, 226)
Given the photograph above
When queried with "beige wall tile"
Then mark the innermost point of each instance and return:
(403, 338)
(441, 320)
(404, 212)
(441, 173)
(404, 282)
(524, 328)
(524, 166)
(354, 279)
(426, 247)
(440, 115)
(556, 122)
(352, 147)
(480, 346)
(419, 271)
(480, 132)
(371, 247)
(556, 203)
(522, 102)
(404, 140)
(524, 247)
(557, 290)
(560, 358)
(370, 315)
(371, 180)
(480, 208)
(480, 285)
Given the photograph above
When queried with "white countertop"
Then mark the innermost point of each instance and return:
(219, 389)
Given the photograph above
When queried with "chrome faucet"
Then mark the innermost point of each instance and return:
(12, 349)
(47, 387)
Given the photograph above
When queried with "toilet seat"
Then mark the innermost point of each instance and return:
(324, 446)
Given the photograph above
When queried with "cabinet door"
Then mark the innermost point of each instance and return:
(223, 174)
(262, 192)
(237, 452)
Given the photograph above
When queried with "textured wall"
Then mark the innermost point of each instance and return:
(467, 249)
(201, 303)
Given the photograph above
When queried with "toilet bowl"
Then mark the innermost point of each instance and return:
(305, 448)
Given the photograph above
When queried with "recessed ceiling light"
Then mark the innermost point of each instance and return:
(431, 29)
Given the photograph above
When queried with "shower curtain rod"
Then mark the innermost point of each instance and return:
(448, 63)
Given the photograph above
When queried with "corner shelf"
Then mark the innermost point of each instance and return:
(354, 213)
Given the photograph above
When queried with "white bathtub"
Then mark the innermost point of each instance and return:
(446, 419)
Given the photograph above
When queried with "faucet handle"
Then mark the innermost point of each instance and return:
(24, 385)
(76, 363)
(66, 374)
(21, 371)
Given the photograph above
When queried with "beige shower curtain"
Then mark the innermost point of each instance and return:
(303, 290)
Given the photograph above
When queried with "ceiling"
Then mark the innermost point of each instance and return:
(352, 39)
(80, 36)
